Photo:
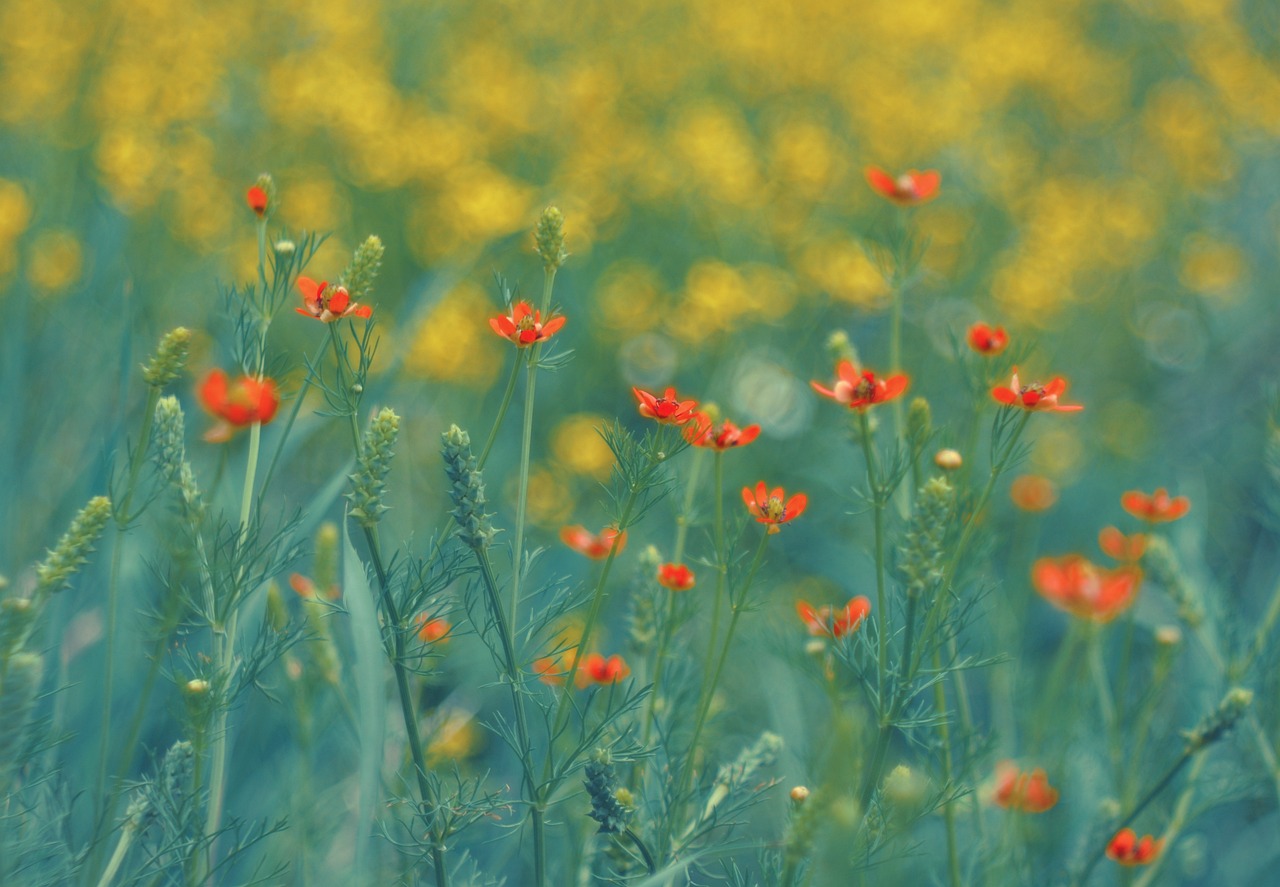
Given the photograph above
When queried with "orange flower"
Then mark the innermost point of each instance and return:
(431, 630)
(859, 389)
(908, 189)
(595, 669)
(768, 508)
(668, 409)
(676, 577)
(1127, 848)
(825, 621)
(524, 325)
(306, 587)
(1032, 492)
(257, 200)
(594, 546)
(703, 432)
(237, 404)
(552, 669)
(1035, 397)
(987, 341)
(328, 303)
(1118, 546)
(1159, 507)
(1027, 792)
(1083, 589)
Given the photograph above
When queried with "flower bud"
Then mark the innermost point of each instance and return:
(549, 236)
(948, 460)
(369, 483)
(73, 548)
(466, 489)
(170, 358)
(799, 794)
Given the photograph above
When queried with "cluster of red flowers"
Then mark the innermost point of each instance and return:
(826, 620)
(594, 668)
(1022, 791)
(1127, 848)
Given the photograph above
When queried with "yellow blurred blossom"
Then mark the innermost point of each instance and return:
(454, 342)
(841, 267)
(628, 295)
(577, 445)
(15, 210)
(1210, 266)
(55, 262)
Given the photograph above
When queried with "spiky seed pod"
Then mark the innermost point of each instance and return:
(18, 695)
(1216, 724)
(607, 798)
(1162, 564)
(324, 566)
(466, 488)
(363, 270)
(169, 437)
(73, 548)
(921, 563)
(550, 238)
(369, 483)
(919, 422)
(277, 614)
(170, 358)
(16, 616)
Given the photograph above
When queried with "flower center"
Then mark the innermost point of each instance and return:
(775, 510)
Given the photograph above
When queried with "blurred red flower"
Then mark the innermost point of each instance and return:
(1081, 588)
(594, 546)
(1127, 848)
(908, 189)
(1158, 507)
(859, 389)
(524, 325)
(1033, 492)
(237, 404)
(668, 409)
(257, 200)
(596, 669)
(768, 507)
(986, 340)
(1035, 396)
(431, 630)
(1027, 792)
(825, 620)
(1118, 546)
(701, 431)
(676, 577)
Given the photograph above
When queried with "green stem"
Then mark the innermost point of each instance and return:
(948, 808)
(117, 858)
(522, 502)
(502, 412)
(644, 850)
(293, 417)
(878, 506)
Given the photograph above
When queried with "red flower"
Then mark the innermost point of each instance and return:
(825, 621)
(595, 669)
(1027, 792)
(328, 303)
(768, 508)
(431, 630)
(1159, 507)
(306, 587)
(1118, 546)
(237, 404)
(1127, 848)
(703, 432)
(668, 409)
(1032, 492)
(676, 577)
(1083, 589)
(987, 341)
(908, 189)
(257, 200)
(859, 389)
(1035, 396)
(596, 547)
(524, 325)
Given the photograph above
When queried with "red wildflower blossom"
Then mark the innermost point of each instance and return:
(676, 577)
(306, 587)
(257, 200)
(1118, 546)
(668, 409)
(703, 432)
(596, 669)
(1158, 507)
(859, 389)
(594, 546)
(237, 404)
(552, 669)
(986, 340)
(1083, 589)
(1127, 848)
(1035, 396)
(328, 303)
(1027, 792)
(431, 630)
(1032, 492)
(524, 325)
(908, 189)
(768, 508)
(825, 620)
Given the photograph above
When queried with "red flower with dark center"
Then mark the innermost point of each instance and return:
(237, 404)
(702, 431)
(596, 669)
(328, 303)
(594, 546)
(859, 389)
(1127, 848)
(257, 200)
(668, 409)
(1081, 588)
(987, 341)
(769, 508)
(676, 577)
(1158, 507)
(1027, 792)
(432, 630)
(825, 620)
(1035, 397)
(524, 325)
(908, 189)
(1118, 546)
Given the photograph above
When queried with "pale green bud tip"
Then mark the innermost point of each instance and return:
(284, 247)
(800, 794)
(65, 559)
(948, 460)
(170, 358)
(550, 238)
(840, 348)
(919, 420)
(364, 267)
(169, 434)
(369, 483)
(1215, 725)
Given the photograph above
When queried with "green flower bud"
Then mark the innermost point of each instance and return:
(170, 358)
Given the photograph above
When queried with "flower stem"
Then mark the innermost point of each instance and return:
(944, 738)
(502, 412)
(522, 502)
(878, 506)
